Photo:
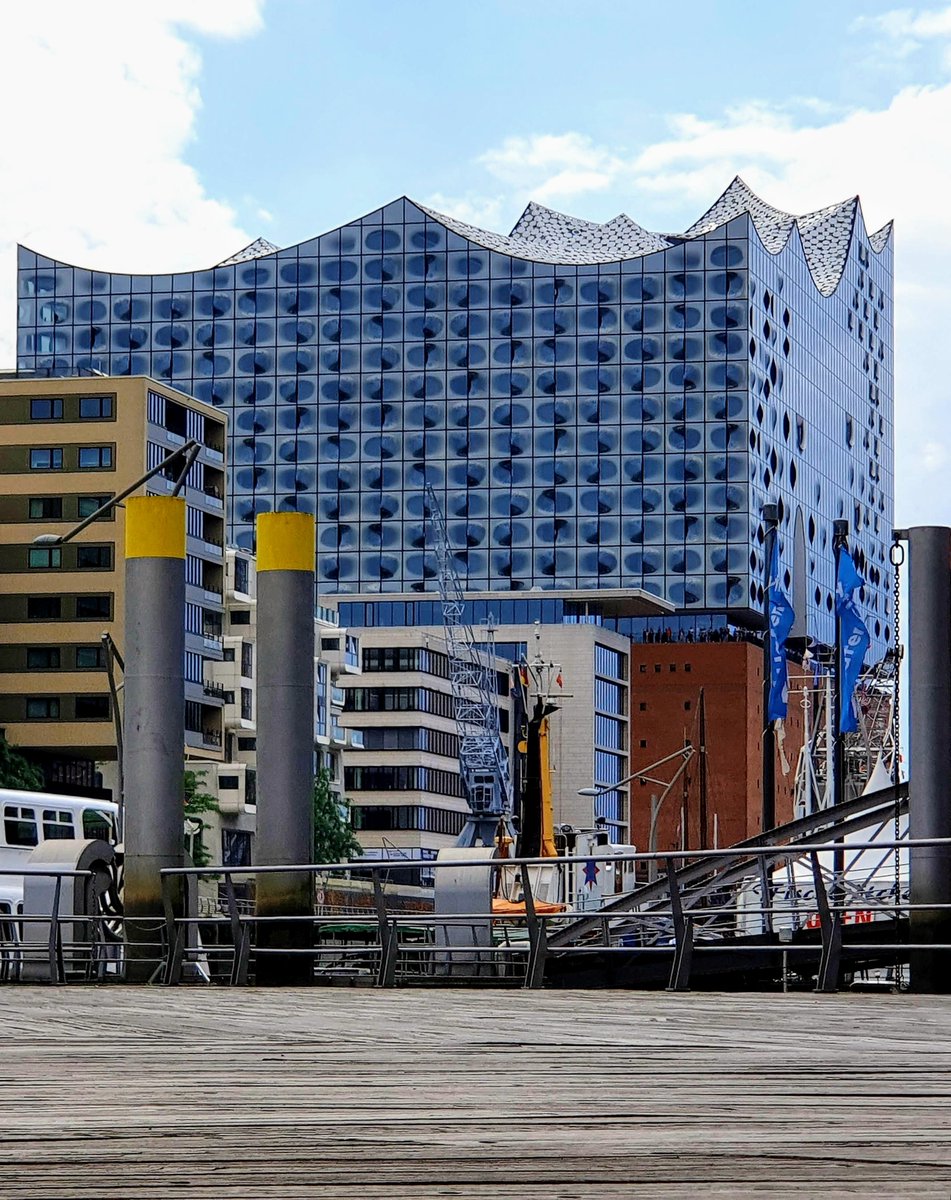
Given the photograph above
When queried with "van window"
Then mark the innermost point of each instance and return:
(19, 826)
(57, 824)
(97, 825)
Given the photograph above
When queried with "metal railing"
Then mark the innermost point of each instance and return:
(804, 915)
(56, 945)
(815, 925)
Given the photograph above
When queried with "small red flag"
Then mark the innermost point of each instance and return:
(559, 680)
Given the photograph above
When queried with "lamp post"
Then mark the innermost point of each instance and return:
(685, 754)
(185, 455)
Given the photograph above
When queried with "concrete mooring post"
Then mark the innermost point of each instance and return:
(154, 718)
(929, 803)
(285, 743)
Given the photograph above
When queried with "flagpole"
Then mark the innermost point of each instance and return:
(770, 522)
(840, 540)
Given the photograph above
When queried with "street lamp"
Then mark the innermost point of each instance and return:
(186, 453)
(684, 754)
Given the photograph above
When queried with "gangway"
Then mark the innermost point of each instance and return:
(698, 880)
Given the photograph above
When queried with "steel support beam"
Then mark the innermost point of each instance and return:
(929, 804)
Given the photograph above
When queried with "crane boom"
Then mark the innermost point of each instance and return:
(483, 762)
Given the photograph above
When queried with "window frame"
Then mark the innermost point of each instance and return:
(101, 452)
(44, 558)
(55, 454)
(103, 402)
(55, 502)
(55, 412)
(52, 655)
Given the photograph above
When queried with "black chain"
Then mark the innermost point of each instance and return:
(897, 556)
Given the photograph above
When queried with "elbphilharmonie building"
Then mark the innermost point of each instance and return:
(598, 407)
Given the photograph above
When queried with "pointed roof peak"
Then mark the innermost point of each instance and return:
(256, 249)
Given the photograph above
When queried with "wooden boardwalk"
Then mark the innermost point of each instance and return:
(128, 1094)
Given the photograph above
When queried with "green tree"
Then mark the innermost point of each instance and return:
(16, 772)
(197, 802)
(333, 832)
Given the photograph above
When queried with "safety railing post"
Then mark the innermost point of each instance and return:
(55, 947)
(537, 937)
(175, 934)
(683, 935)
(386, 974)
(240, 936)
(830, 924)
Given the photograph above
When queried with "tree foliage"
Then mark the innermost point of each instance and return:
(16, 772)
(334, 839)
(197, 802)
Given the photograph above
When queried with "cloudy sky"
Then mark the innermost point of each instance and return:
(156, 136)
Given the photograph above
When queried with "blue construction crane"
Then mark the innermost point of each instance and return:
(483, 761)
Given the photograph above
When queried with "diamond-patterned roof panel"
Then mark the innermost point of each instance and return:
(544, 235)
(256, 249)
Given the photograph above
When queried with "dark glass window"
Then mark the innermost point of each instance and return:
(247, 659)
(39, 658)
(89, 657)
(235, 848)
(42, 708)
(57, 825)
(93, 557)
(46, 508)
(228, 783)
(92, 708)
(92, 607)
(19, 826)
(39, 608)
(241, 575)
(44, 409)
(240, 618)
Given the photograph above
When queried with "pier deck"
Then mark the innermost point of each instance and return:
(117, 1093)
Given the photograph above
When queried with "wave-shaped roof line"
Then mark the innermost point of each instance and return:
(256, 249)
(826, 234)
(544, 235)
(879, 239)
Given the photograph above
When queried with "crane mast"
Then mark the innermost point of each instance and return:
(483, 762)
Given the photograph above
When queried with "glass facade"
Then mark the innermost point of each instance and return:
(596, 406)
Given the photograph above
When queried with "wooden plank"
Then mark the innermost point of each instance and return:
(121, 1092)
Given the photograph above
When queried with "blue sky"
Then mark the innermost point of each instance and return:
(168, 133)
(341, 106)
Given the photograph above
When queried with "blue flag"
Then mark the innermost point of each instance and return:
(854, 636)
(781, 617)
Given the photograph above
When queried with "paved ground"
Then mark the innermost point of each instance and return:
(138, 1093)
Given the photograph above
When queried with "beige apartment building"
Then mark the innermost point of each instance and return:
(405, 785)
(67, 446)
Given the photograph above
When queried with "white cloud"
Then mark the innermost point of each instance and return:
(485, 212)
(101, 102)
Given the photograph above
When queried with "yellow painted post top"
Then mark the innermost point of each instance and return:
(155, 527)
(285, 542)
